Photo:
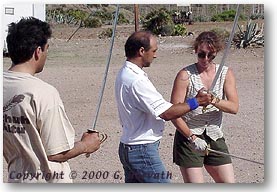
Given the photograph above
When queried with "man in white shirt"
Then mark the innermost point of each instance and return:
(143, 111)
(38, 136)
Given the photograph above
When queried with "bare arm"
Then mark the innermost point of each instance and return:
(178, 95)
(89, 143)
(180, 107)
(231, 105)
(175, 111)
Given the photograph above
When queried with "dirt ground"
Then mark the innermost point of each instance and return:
(76, 68)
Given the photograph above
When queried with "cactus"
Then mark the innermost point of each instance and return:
(251, 36)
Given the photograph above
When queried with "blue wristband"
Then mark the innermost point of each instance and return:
(192, 102)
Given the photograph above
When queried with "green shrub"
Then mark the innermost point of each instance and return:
(180, 30)
(256, 16)
(159, 22)
(77, 14)
(92, 22)
(167, 30)
(226, 16)
(122, 19)
(106, 33)
(217, 18)
(103, 15)
(201, 18)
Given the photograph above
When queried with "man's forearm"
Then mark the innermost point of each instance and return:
(175, 111)
(78, 149)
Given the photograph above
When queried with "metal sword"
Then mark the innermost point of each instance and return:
(217, 76)
(222, 153)
(226, 50)
(222, 63)
(93, 129)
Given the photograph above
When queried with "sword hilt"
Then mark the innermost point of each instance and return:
(214, 95)
(103, 138)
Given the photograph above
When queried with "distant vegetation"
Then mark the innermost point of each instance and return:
(164, 20)
(102, 14)
(252, 35)
(160, 22)
(85, 15)
(227, 16)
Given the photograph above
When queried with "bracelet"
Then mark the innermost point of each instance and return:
(193, 104)
(190, 139)
(215, 100)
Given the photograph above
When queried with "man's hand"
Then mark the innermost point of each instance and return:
(91, 142)
(203, 97)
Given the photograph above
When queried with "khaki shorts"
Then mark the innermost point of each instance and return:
(184, 156)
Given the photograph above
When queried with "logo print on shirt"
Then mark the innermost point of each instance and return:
(13, 102)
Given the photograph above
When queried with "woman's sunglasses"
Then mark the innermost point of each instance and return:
(210, 55)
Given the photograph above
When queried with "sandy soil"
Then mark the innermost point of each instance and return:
(76, 68)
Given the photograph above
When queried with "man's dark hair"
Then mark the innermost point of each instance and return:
(136, 41)
(25, 36)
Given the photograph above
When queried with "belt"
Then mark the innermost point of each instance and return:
(128, 146)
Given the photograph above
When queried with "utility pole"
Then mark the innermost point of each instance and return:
(136, 10)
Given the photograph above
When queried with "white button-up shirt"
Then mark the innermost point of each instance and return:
(139, 106)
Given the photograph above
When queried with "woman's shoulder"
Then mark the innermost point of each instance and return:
(185, 72)
(190, 67)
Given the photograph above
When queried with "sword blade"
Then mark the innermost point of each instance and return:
(222, 153)
(227, 49)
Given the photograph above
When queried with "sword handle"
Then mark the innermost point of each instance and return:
(214, 96)
(103, 137)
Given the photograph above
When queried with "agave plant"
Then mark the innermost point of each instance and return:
(251, 36)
